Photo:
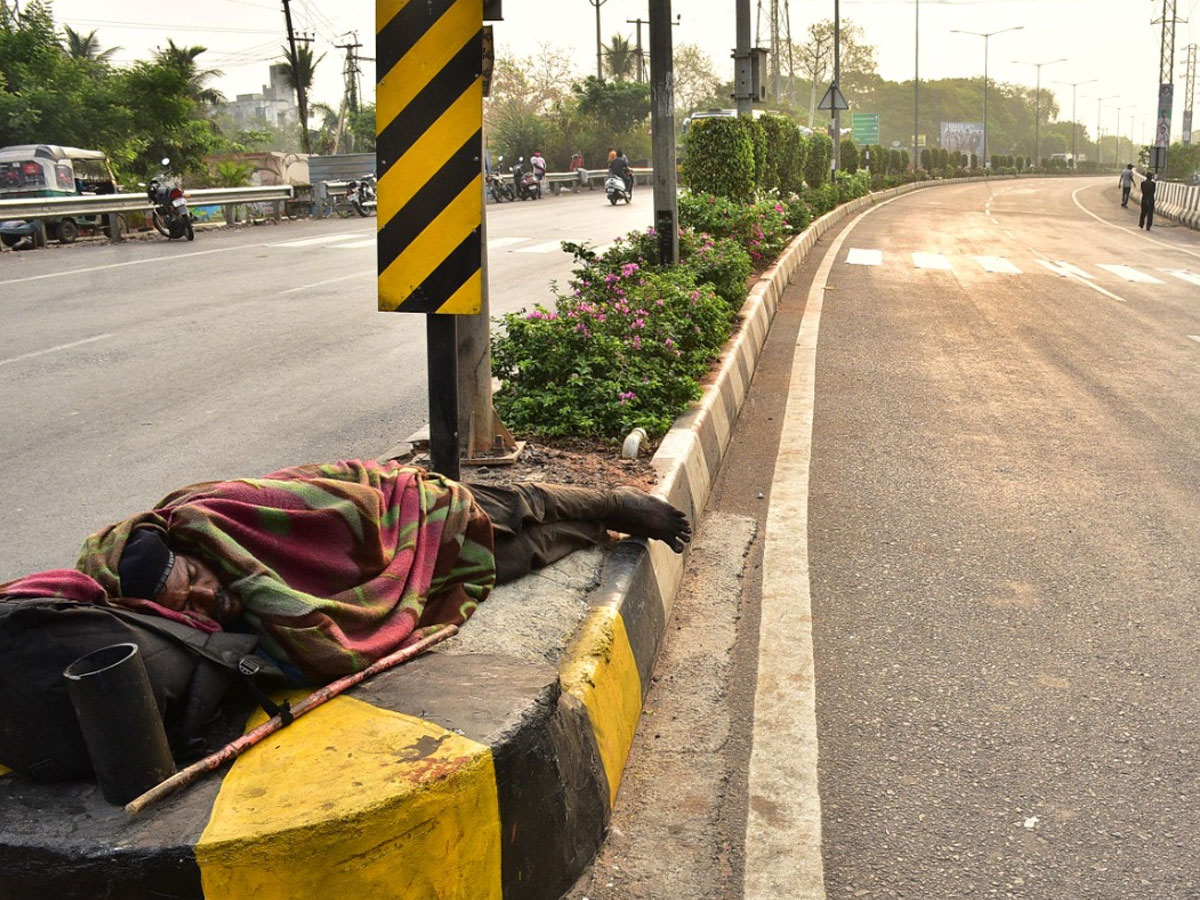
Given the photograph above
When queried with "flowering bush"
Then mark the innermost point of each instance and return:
(761, 228)
(624, 350)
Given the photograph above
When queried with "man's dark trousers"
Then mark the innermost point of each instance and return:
(1146, 219)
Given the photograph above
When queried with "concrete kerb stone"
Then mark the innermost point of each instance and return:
(486, 770)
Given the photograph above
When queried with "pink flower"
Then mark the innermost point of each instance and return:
(636, 342)
(626, 396)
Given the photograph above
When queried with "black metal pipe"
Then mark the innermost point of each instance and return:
(442, 367)
(120, 721)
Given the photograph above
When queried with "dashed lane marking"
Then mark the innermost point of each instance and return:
(305, 287)
(547, 247)
(997, 264)
(323, 239)
(499, 242)
(353, 245)
(55, 349)
(931, 261)
(1195, 337)
(859, 257)
(1183, 275)
(1129, 273)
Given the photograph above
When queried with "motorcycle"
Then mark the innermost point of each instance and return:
(614, 189)
(498, 188)
(528, 187)
(170, 215)
(361, 195)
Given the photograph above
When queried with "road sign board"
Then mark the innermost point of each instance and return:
(833, 99)
(429, 126)
(865, 127)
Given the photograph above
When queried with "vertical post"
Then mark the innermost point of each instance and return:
(442, 372)
(301, 98)
(599, 55)
(987, 160)
(1037, 119)
(662, 126)
(916, 85)
(741, 61)
(114, 228)
(837, 77)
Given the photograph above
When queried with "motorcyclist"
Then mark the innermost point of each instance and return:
(619, 166)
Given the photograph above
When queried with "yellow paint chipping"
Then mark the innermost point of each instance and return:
(601, 671)
(356, 801)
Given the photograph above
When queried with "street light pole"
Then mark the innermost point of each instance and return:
(1037, 106)
(1075, 121)
(599, 55)
(916, 86)
(1099, 101)
(986, 35)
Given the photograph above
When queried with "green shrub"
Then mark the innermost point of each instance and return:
(758, 143)
(925, 159)
(761, 229)
(816, 166)
(795, 157)
(849, 157)
(720, 158)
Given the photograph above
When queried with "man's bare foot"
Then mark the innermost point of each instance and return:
(643, 515)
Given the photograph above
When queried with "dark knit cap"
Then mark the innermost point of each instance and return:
(145, 564)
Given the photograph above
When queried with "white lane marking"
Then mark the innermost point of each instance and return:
(13, 359)
(323, 239)
(857, 257)
(783, 822)
(1075, 270)
(353, 245)
(1182, 275)
(930, 261)
(1129, 273)
(547, 247)
(997, 264)
(1057, 270)
(1141, 234)
(1195, 337)
(165, 260)
(497, 243)
(305, 287)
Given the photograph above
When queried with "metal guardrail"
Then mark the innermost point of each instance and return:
(57, 207)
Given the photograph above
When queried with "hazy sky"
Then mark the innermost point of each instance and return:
(1109, 40)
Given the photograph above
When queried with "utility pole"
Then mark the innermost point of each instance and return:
(916, 160)
(301, 98)
(1166, 87)
(662, 126)
(599, 55)
(641, 59)
(742, 88)
(1189, 88)
(1074, 121)
(350, 93)
(837, 77)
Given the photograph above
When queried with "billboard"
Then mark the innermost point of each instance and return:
(966, 137)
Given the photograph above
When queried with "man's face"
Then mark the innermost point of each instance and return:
(193, 587)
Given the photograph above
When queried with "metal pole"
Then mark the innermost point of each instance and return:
(987, 163)
(599, 55)
(916, 84)
(837, 77)
(442, 373)
(662, 127)
(1037, 119)
(741, 61)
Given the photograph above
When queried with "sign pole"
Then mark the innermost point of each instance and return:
(441, 340)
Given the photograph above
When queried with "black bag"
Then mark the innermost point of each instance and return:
(189, 670)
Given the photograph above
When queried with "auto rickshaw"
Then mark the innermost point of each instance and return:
(47, 170)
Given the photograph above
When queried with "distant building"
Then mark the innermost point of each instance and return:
(275, 106)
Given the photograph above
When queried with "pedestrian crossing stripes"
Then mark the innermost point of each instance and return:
(323, 239)
(429, 123)
(992, 265)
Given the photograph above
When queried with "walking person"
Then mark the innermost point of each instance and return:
(1126, 182)
(1149, 186)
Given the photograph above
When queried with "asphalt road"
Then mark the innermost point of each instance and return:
(1001, 483)
(128, 371)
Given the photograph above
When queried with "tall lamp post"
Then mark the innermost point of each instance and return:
(986, 35)
(1099, 103)
(1037, 105)
(599, 55)
(1074, 121)
(916, 160)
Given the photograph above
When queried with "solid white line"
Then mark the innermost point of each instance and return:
(1142, 234)
(323, 239)
(997, 264)
(783, 822)
(1129, 273)
(132, 262)
(1195, 337)
(13, 359)
(353, 245)
(305, 287)
(858, 257)
(498, 242)
(547, 247)
(930, 261)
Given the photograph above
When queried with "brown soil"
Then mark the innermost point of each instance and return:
(568, 462)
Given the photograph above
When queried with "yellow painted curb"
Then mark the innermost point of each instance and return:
(353, 800)
(600, 670)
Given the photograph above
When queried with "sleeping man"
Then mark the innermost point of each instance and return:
(334, 566)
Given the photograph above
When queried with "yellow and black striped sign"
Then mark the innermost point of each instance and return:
(429, 127)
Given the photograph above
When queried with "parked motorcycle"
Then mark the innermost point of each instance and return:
(615, 189)
(361, 195)
(170, 214)
(528, 187)
(499, 188)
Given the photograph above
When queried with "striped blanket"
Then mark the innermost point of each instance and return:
(337, 565)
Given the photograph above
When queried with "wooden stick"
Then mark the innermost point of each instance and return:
(235, 748)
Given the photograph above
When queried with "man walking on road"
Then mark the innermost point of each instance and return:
(1149, 186)
(1126, 183)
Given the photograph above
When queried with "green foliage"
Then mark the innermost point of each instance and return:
(231, 173)
(760, 228)
(849, 153)
(795, 152)
(720, 158)
(758, 142)
(926, 159)
(617, 106)
(1183, 159)
(816, 166)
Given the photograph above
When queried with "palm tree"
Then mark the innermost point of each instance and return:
(184, 59)
(620, 58)
(86, 46)
(298, 73)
